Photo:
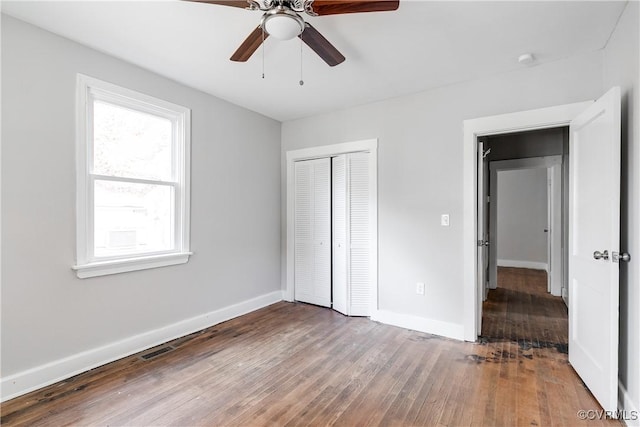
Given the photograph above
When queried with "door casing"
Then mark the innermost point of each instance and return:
(542, 118)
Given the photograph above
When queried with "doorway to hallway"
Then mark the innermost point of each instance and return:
(594, 225)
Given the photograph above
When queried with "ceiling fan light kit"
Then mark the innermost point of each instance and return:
(283, 24)
(282, 21)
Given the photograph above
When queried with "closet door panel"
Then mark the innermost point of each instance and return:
(312, 233)
(322, 232)
(304, 251)
(359, 234)
(340, 239)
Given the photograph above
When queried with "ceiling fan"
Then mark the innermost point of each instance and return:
(282, 20)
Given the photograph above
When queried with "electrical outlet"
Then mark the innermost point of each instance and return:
(420, 288)
(444, 220)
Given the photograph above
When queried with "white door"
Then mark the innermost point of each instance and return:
(483, 239)
(594, 234)
(340, 214)
(352, 287)
(554, 206)
(312, 234)
(359, 233)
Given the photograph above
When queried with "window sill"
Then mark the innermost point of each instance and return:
(132, 264)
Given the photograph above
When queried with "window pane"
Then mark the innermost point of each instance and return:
(130, 144)
(132, 218)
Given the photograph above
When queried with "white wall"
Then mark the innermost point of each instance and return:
(420, 172)
(522, 218)
(621, 68)
(47, 312)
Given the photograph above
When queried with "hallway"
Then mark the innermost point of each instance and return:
(522, 310)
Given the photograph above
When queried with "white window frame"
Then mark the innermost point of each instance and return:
(87, 265)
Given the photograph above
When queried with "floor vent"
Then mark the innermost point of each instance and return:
(156, 353)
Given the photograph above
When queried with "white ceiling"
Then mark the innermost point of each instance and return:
(420, 46)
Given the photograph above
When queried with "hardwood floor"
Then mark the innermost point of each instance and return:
(522, 310)
(296, 364)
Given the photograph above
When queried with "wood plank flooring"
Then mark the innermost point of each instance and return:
(521, 309)
(294, 364)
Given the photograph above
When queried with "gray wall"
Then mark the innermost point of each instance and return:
(621, 69)
(420, 170)
(47, 312)
(522, 216)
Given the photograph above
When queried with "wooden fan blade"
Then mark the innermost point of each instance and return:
(244, 4)
(250, 45)
(336, 7)
(321, 46)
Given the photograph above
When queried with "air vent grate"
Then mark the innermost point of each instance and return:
(156, 353)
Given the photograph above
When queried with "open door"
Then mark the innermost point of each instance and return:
(483, 238)
(554, 229)
(594, 238)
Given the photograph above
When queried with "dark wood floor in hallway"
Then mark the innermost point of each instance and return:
(521, 309)
(295, 364)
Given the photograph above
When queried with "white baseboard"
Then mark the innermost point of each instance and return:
(628, 409)
(420, 324)
(523, 264)
(57, 370)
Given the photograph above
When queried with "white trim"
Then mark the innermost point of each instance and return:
(370, 146)
(50, 373)
(628, 408)
(523, 264)
(132, 180)
(89, 89)
(130, 264)
(543, 162)
(420, 324)
(332, 150)
(554, 219)
(522, 121)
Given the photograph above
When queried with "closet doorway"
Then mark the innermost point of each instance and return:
(332, 227)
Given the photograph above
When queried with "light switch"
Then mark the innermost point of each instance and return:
(444, 220)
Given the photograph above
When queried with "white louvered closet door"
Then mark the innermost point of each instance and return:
(359, 233)
(351, 234)
(312, 269)
(340, 237)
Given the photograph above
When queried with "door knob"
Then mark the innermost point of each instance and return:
(621, 257)
(601, 255)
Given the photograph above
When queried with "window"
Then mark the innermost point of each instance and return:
(132, 180)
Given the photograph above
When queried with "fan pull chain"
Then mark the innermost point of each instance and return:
(263, 52)
(301, 81)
